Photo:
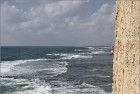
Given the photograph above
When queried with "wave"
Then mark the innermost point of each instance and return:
(7, 66)
(82, 54)
(85, 55)
(36, 86)
(71, 56)
(95, 53)
(56, 69)
(78, 50)
(101, 76)
(72, 88)
(32, 66)
(100, 52)
(24, 86)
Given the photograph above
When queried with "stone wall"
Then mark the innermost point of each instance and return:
(126, 68)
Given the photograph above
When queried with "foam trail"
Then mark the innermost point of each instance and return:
(100, 52)
(33, 66)
(68, 88)
(71, 56)
(34, 86)
(7, 66)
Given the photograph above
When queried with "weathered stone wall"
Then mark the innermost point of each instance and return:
(126, 68)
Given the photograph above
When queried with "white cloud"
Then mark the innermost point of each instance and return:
(61, 7)
(101, 18)
(8, 12)
(95, 27)
(41, 16)
(56, 8)
(46, 23)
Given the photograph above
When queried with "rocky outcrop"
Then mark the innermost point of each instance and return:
(126, 68)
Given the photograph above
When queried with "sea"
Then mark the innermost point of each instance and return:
(55, 70)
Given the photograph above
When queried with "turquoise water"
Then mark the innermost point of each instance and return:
(56, 70)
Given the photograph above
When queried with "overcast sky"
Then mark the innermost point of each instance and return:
(57, 22)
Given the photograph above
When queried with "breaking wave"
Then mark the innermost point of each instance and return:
(71, 56)
(100, 52)
(7, 66)
(36, 86)
(24, 86)
(32, 66)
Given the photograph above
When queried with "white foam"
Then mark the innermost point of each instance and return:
(14, 68)
(76, 56)
(100, 52)
(71, 55)
(68, 88)
(101, 76)
(7, 66)
(90, 48)
(41, 87)
(58, 68)
(38, 87)
(57, 54)
(37, 90)
(81, 50)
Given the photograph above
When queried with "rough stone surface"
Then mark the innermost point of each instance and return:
(126, 68)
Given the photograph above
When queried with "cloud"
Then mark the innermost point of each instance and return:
(41, 16)
(50, 24)
(55, 9)
(61, 7)
(96, 29)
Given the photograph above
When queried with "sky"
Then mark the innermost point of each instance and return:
(57, 22)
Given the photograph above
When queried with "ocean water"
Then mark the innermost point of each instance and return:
(56, 70)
